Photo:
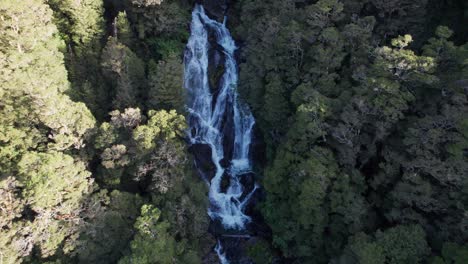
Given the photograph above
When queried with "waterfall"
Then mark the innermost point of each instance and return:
(208, 113)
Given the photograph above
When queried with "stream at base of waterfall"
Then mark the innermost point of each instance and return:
(220, 122)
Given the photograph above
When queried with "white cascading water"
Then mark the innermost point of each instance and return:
(206, 120)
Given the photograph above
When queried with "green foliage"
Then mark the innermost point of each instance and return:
(400, 244)
(159, 18)
(15, 243)
(52, 181)
(125, 71)
(302, 194)
(34, 81)
(11, 204)
(335, 99)
(452, 253)
(108, 227)
(397, 73)
(260, 252)
(323, 13)
(50, 208)
(39, 123)
(400, 16)
(53, 187)
(402, 41)
(153, 242)
(115, 156)
(432, 181)
(126, 142)
(434, 144)
(161, 124)
(124, 30)
(81, 22)
(165, 80)
(275, 107)
(12, 245)
(149, 151)
(362, 249)
(165, 48)
(403, 244)
(362, 106)
(82, 26)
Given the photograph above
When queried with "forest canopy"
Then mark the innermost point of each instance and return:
(361, 111)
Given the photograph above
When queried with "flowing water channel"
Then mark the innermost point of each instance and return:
(220, 121)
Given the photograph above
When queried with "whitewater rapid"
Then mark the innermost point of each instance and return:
(207, 121)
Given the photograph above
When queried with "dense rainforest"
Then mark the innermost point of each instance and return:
(361, 133)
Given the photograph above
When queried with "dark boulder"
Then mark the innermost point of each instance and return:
(215, 9)
(211, 258)
(235, 248)
(228, 132)
(203, 161)
(216, 60)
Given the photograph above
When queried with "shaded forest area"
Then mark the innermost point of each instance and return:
(363, 109)
(93, 162)
(361, 106)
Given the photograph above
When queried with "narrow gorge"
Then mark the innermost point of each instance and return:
(221, 128)
(234, 131)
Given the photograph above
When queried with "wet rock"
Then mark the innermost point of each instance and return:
(248, 181)
(225, 163)
(203, 162)
(215, 74)
(225, 182)
(211, 258)
(216, 62)
(216, 228)
(207, 243)
(215, 9)
(235, 248)
(228, 132)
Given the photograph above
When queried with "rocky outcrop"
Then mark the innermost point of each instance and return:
(203, 161)
(215, 8)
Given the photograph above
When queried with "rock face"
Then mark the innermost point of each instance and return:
(211, 258)
(203, 161)
(235, 248)
(215, 8)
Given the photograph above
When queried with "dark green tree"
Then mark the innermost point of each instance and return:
(153, 242)
(165, 79)
(124, 30)
(82, 27)
(400, 244)
(125, 71)
(107, 229)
